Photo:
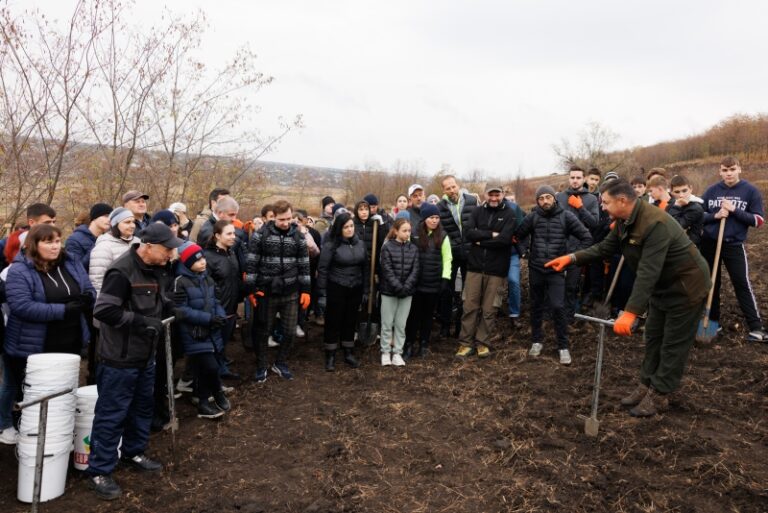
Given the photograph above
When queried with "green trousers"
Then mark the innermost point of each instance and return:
(669, 336)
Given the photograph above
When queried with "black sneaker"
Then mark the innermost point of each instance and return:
(221, 401)
(208, 410)
(141, 463)
(105, 487)
(282, 370)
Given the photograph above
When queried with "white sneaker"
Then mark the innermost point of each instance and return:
(565, 357)
(271, 342)
(9, 436)
(536, 348)
(386, 359)
(299, 332)
(184, 386)
(397, 360)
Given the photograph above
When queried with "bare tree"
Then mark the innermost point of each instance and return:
(591, 149)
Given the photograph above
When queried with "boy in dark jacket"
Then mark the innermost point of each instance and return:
(550, 228)
(82, 240)
(686, 208)
(202, 319)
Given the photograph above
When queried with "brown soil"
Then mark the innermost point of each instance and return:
(481, 436)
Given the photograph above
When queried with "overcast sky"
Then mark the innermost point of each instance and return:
(485, 84)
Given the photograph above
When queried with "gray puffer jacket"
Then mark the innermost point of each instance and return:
(108, 248)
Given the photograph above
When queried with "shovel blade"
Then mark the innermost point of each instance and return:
(708, 333)
(591, 426)
(367, 332)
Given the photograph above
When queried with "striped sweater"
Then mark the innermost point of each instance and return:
(277, 261)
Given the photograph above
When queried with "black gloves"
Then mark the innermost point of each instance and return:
(218, 321)
(87, 299)
(149, 326)
(73, 309)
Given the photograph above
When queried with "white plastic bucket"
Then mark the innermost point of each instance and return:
(83, 426)
(86, 405)
(55, 465)
(52, 360)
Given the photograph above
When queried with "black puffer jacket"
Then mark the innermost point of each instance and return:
(459, 245)
(364, 232)
(489, 254)
(399, 268)
(343, 263)
(549, 232)
(431, 266)
(224, 268)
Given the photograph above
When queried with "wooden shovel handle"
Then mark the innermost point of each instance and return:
(371, 292)
(715, 267)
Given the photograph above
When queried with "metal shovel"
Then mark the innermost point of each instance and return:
(368, 331)
(708, 328)
(591, 424)
(171, 400)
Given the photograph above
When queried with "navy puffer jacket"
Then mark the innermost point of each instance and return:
(198, 309)
(80, 244)
(399, 268)
(30, 314)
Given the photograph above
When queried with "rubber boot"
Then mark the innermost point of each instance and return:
(330, 361)
(349, 358)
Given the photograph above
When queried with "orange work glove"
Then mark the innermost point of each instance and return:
(575, 201)
(560, 263)
(254, 298)
(304, 300)
(623, 325)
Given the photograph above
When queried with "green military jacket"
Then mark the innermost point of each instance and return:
(668, 267)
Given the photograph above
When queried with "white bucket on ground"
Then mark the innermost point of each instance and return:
(47, 373)
(86, 406)
(55, 465)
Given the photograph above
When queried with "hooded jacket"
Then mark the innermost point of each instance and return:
(29, 313)
(80, 244)
(364, 231)
(199, 307)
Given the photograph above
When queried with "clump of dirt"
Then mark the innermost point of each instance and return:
(441, 435)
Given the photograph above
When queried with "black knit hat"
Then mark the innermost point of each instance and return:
(371, 199)
(545, 189)
(100, 209)
(327, 200)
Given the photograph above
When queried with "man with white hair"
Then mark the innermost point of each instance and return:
(226, 208)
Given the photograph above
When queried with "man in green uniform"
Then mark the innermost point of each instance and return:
(672, 285)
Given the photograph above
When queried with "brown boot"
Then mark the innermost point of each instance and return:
(652, 403)
(635, 397)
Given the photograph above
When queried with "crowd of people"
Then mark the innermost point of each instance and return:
(456, 259)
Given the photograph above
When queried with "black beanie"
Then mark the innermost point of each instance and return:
(100, 209)
(327, 200)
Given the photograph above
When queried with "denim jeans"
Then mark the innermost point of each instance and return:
(7, 397)
(513, 278)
